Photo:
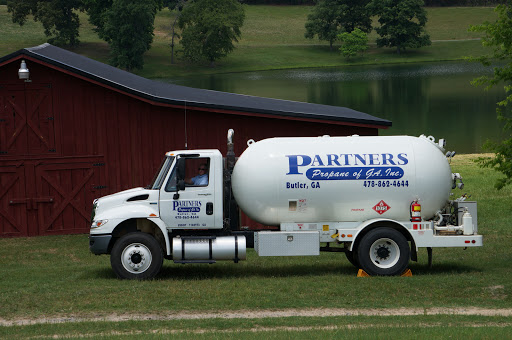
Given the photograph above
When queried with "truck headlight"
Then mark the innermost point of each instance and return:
(99, 223)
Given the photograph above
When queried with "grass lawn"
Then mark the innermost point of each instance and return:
(58, 277)
(272, 38)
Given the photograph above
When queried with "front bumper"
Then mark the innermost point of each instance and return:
(98, 244)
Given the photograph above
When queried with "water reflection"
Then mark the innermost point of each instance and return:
(432, 99)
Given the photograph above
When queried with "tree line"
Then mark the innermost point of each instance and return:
(209, 28)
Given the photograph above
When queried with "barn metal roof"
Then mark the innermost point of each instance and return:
(192, 97)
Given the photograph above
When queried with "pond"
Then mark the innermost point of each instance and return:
(433, 98)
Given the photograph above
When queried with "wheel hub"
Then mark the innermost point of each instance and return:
(383, 252)
(136, 258)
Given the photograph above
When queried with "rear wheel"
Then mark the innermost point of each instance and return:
(384, 251)
(136, 256)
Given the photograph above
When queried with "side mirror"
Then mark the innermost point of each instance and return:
(180, 186)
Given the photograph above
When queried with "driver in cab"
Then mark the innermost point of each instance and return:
(201, 178)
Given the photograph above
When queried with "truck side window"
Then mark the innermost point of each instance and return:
(197, 172)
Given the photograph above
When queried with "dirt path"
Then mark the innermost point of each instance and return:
(260, 314)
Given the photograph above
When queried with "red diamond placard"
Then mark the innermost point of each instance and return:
(381, 207)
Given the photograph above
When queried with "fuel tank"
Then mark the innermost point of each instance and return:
(336, 179)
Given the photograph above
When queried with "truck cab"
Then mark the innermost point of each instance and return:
(184, 199)
(191, 190)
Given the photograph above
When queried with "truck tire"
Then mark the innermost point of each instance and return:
(136, 256)
(384, 252)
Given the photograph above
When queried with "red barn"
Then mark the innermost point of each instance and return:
(78, 129)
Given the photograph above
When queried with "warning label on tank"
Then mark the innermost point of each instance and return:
(302, 205)
(381, 207)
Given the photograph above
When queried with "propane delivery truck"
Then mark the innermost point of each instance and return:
(378, 199)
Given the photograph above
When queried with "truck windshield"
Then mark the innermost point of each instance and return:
(157, 181)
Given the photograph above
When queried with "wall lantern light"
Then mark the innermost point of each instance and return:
(23, 72)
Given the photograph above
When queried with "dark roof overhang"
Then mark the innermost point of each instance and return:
(166, 94)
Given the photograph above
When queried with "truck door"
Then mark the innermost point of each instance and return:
(192, 207)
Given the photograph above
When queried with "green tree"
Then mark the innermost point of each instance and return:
(402, 23)
(353, 42)
(59, 18)
(332, 17)
(498, 37)
(127, 26)
(96, 10)
(210, 28)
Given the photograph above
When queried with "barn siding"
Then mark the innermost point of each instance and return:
(97, 141)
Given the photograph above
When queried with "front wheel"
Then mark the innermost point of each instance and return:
(136, 256)
(384, 251)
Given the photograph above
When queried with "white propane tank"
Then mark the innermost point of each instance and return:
(331, 179)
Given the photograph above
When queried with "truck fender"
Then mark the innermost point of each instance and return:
(367, 225)
(137, 224)
(163, 228)
(137, 212)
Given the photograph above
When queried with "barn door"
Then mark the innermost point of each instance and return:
(13, 200)
(27, 120)
(65, 190)
(50, 196)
